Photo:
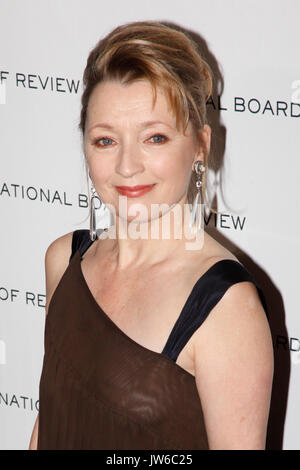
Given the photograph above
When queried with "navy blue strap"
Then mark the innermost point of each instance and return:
(80, 241)
(206, 293)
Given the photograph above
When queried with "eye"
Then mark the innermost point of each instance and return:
(159, 137)
(106, 141)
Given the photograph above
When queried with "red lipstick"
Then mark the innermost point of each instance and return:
(134, 191)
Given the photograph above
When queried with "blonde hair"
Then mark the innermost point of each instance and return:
(167, 58)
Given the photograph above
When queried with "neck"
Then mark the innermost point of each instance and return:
(139, 243)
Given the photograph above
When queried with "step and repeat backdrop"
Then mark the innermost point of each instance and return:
(253, 49)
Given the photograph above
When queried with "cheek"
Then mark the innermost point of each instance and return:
(100, 170)
(177, 168)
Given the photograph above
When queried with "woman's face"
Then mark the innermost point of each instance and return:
(123, 148)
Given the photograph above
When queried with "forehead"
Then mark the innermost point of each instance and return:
(114, 99)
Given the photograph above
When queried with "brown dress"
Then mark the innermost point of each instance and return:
(99, 389)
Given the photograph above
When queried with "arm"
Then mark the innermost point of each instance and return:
(233, 356)
(34, 435)
(56, 261)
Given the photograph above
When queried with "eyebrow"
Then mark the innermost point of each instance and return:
(141, 125)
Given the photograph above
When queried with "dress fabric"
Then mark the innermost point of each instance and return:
(100, 389)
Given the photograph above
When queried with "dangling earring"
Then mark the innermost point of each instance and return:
(93, 230)
(199, 168)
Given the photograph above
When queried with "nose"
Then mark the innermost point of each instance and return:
(129, 161)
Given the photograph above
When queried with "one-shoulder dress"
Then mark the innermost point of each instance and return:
(100, 389)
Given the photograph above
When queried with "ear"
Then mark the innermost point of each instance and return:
(203, 146)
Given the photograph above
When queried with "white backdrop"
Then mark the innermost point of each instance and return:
(253, 48)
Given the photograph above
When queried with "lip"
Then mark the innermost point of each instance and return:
(134, 191)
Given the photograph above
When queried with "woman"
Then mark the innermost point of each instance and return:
(148, 344)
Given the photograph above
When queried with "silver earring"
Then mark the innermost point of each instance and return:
(195, 224)
(93, 230)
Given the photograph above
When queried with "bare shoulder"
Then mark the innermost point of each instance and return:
(233, 363)
(56, 262)
(238, 311)
(215, 251)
